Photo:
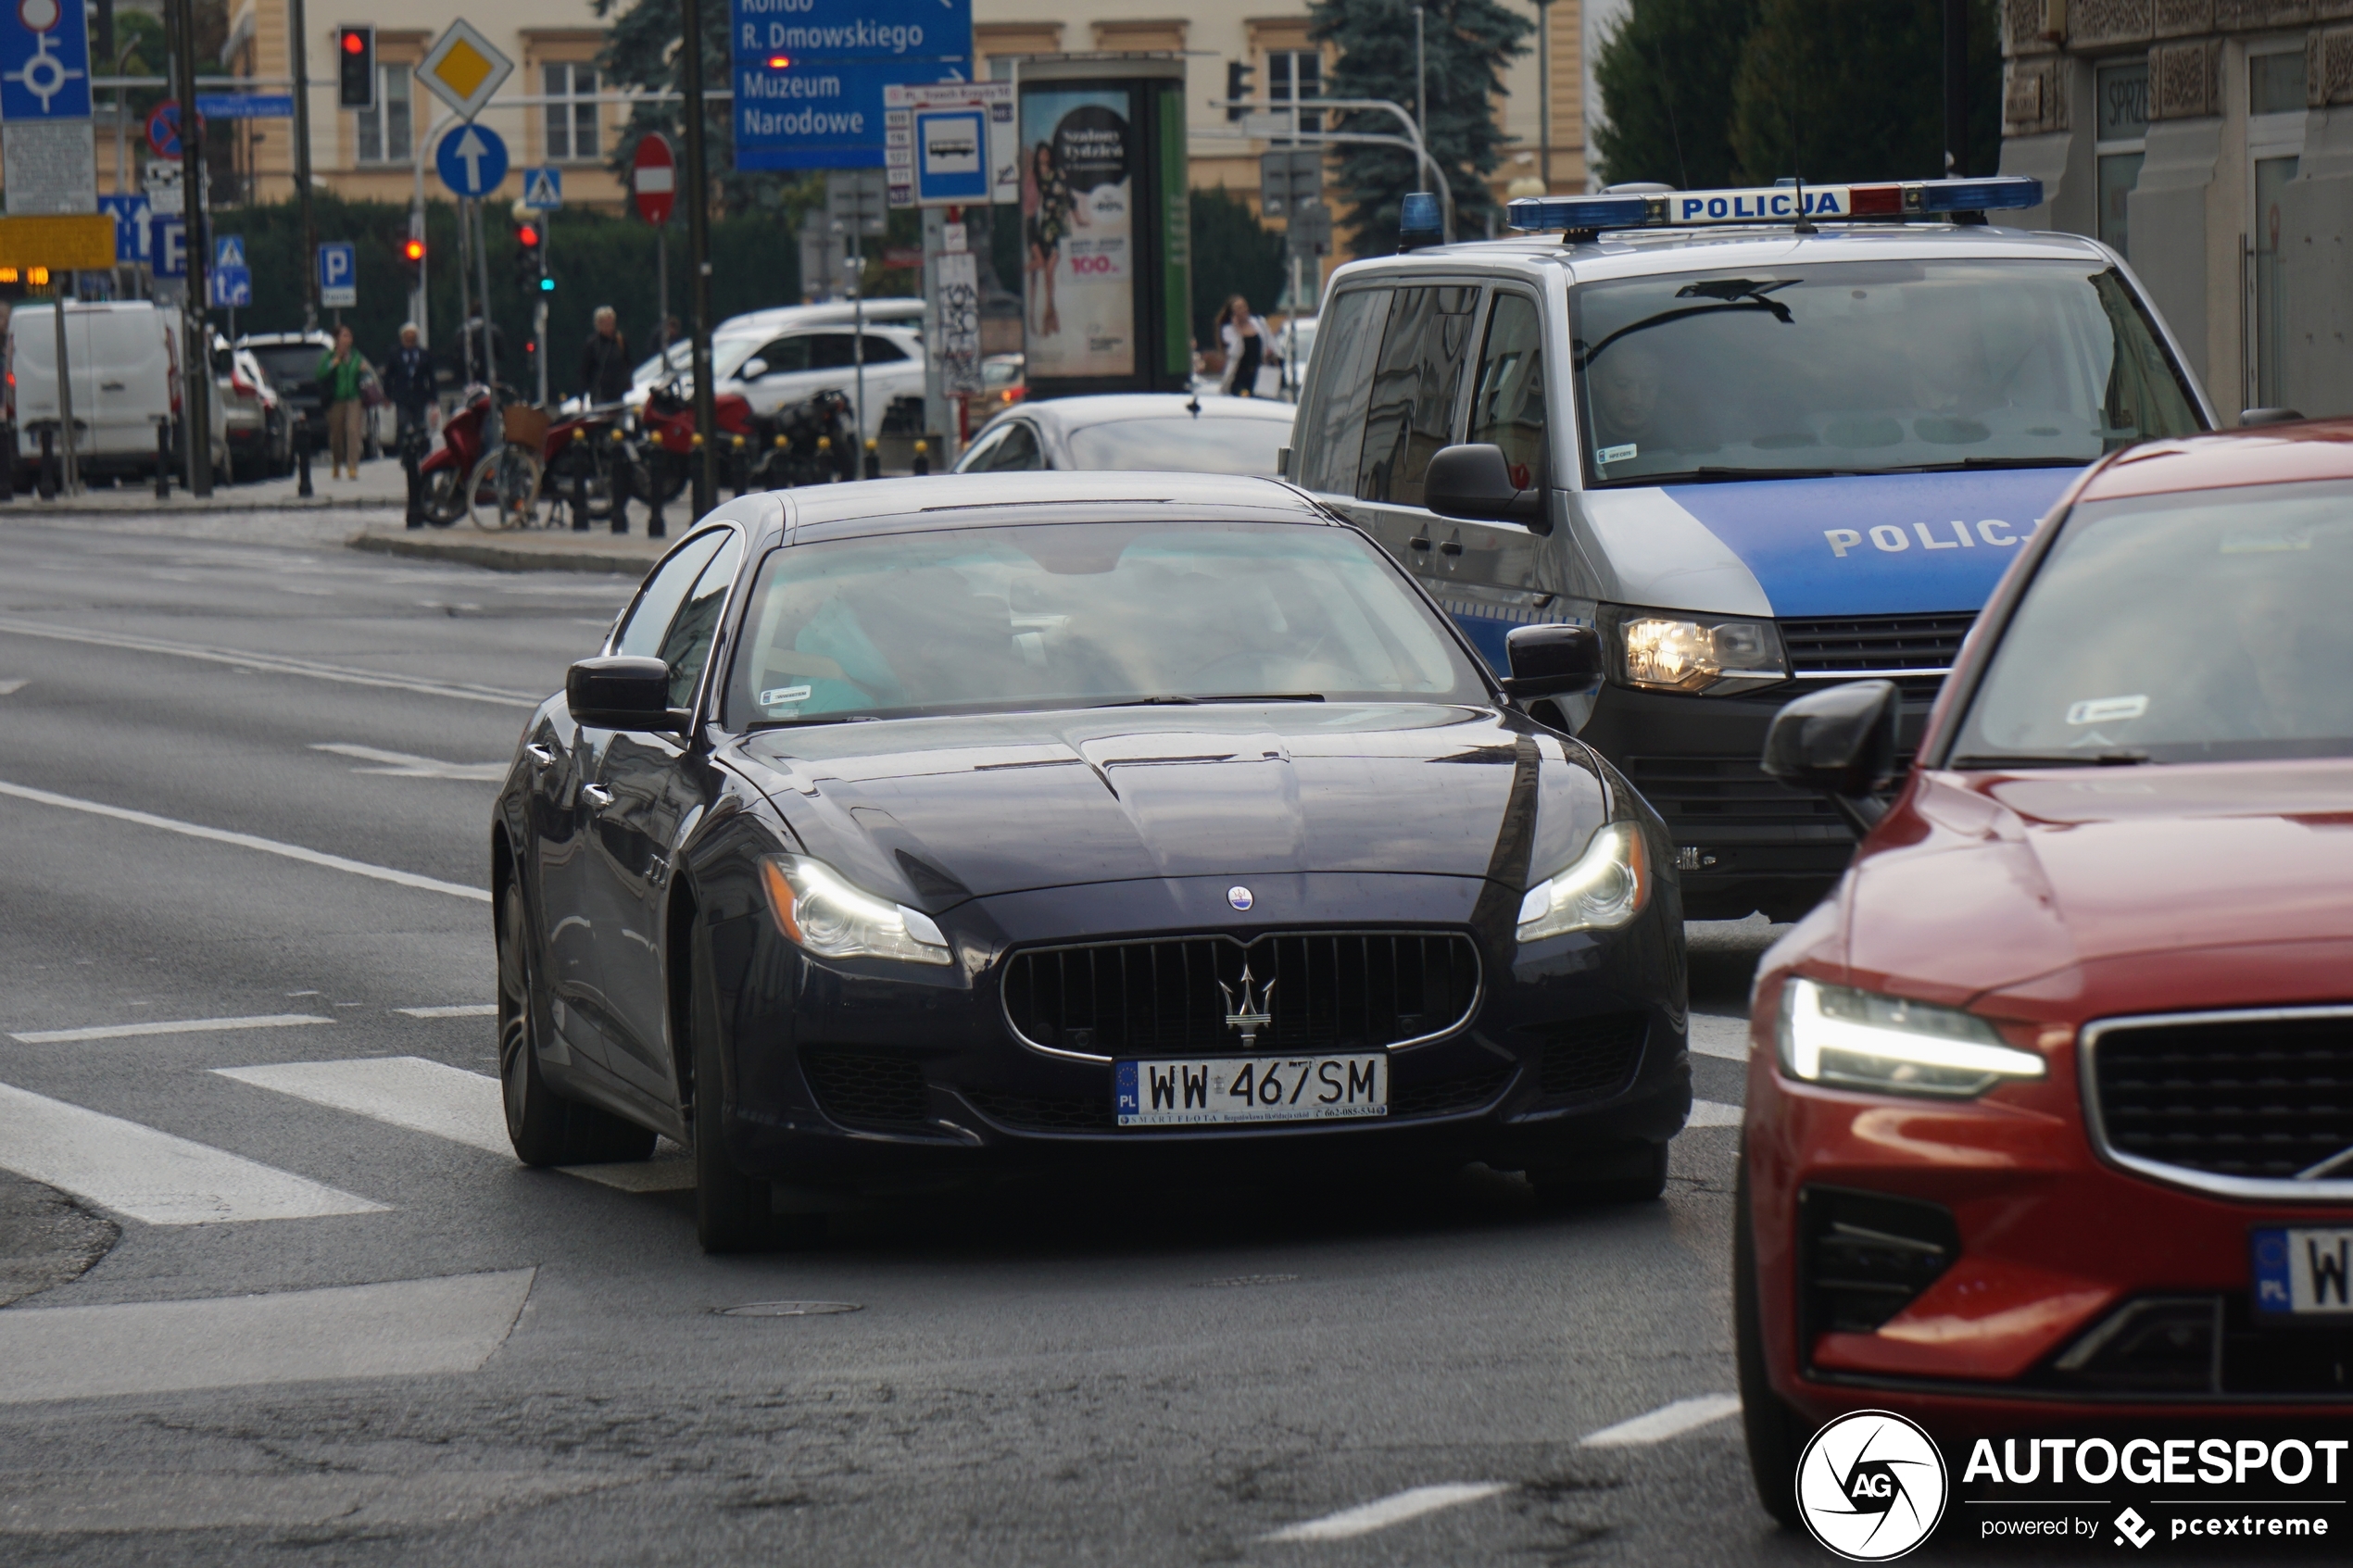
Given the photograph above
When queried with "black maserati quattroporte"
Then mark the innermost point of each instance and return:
(936, 825)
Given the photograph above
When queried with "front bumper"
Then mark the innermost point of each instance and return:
(864, 1073)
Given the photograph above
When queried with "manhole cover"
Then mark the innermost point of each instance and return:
(787, 1309)
(1247, 1279)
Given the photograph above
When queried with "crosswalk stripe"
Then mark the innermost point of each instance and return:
(407, 1091)
(1714, 1113)
(1383, 1512)
(1714, 1035)
(150, 1175)
(462, 1010)
(178, 1026)
(1667, 1421)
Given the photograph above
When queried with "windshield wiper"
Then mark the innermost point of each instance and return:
(816, 719)
(1961, 465)
(1197, 701)
(1715, 475)
(2118, 757)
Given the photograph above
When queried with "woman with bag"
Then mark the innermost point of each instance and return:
(341, 371)
(1248, 348)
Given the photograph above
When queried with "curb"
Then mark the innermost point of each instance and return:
(503, 558)
(37, 509)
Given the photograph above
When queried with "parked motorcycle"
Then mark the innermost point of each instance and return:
(455, 458)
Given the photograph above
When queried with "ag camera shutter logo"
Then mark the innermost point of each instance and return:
(1871, 1486)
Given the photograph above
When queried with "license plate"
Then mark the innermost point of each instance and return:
(1249, 1088)
(2304, 1273)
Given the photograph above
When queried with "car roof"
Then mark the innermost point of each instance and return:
(1105, 408)
(284, 340)
(969, 500)
(2264, 455)
(1633, 253)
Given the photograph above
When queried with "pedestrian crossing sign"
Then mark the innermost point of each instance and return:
(543, 188)
(229, 250)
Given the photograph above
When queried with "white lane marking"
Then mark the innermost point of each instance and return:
(149, 1175)
(400, 764)
(10, 688)
(247, 841)
(1395, 1509)
(402, 1329)
(182, 1026)
(463, 1009)
(1667, 1421)
(1713, 1034)
(275, 663)
(407, 1091)
(1714, 1113)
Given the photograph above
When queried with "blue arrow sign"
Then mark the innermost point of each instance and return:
(231, 287)
(339, 274)
(130, 232)
(543, 188)
(44, 61)
(168, 247)
(472, 159)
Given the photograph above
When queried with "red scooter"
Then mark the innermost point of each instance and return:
(453, 458)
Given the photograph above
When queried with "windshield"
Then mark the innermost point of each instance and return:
(290, 364)
(2201, 627)
(1867, 366)
(1182, 445)
(1076, 615)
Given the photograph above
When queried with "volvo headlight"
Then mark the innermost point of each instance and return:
(832, 917)
(1672, 654)
(1601, 891)
(1861, 1040)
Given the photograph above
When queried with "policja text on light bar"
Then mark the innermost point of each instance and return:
(1773, 204)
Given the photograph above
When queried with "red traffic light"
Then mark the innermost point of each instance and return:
(527, 236)
(779, 62)
(413, 250)
(353, 41)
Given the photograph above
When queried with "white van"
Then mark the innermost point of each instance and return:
(124, 355)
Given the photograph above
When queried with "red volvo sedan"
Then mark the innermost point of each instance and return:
(2050, 1105)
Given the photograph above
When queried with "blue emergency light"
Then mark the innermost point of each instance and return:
(1776, 204)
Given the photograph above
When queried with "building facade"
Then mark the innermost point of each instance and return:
(2210, 141)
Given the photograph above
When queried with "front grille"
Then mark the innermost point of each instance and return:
(1589, 1058)
(859, 1089)
(1321, 991)
(1697, 793)
(2211, 1346)
(1857, 643)
(1041, 1113)
(1465, 1091)
(2226, 1100)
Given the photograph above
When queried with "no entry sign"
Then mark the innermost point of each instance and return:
(653, 178)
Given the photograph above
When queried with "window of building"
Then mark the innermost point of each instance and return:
(2122, 91)
(1295, 76)
(2275, 147)
(386, 133)
(574, 134)
(2275, 81)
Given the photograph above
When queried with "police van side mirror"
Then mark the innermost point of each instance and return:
(1473, 481)
(1840, 743)
(1552, 660)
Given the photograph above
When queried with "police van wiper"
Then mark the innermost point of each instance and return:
(1961, 465)
(1713, 474)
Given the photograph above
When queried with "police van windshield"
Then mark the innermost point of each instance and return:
(1866, 367)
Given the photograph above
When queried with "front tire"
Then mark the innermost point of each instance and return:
(732, 1209)
(545, 1128)
(1775, 1444)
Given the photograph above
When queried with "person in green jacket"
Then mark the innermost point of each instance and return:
(340, 370)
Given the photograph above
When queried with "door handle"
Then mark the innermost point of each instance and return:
(110, 386)
(540, 754)
(597, 795)
(1418, 543)
(1452, 547)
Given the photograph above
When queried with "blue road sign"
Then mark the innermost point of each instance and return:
(543, 188)
(809, 74)
(472, 159)
(228, 250)
(231, 287)
(951, 155)
(130, 231)
(839, 30)
(245, 106)
(167, 247)
(45, 62)
(339, 274)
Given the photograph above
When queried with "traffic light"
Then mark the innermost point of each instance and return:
(1239, 85)
(528, 255)
(355, 67)
(412, 256)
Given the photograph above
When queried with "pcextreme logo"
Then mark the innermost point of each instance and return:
(1871, 1487)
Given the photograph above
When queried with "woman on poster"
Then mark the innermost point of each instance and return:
(1051, 212)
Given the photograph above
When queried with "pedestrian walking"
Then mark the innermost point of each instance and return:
(604, 360)
(408, 379)
(1248, 347)
(339, 372)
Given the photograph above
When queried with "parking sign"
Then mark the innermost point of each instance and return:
(339, 274)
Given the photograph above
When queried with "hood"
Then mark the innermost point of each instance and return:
(1983, 881)
(1866, 544)
(940, 809)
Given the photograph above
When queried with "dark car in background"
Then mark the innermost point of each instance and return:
(931, 827)
(292, 360)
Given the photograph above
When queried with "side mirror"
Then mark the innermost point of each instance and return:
(623, 693)
(1475, 482)
(2251, 417)
(752, 369)
(1552, 660)
(1840, 742)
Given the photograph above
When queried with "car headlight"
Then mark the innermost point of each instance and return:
(1673, 653)
(1604, 889)
(832, 917)
(1861, 1040)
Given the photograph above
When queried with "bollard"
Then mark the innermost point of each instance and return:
(874, 458)
(48, 482)
(825, 459)
(411, 467)
(654, 527)
(580, 498)
(163, 459)
(8, 462)
(922, 457)
(302, 461)
(623, 480)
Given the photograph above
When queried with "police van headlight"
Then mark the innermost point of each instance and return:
(1667, 653)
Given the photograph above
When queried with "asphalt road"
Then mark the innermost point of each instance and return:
(245, 776)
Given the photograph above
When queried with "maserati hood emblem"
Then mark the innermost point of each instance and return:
(1254, 1011)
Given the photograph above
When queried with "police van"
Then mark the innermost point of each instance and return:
(1760, 439)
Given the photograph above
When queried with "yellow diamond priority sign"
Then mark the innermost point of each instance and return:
(464, 69)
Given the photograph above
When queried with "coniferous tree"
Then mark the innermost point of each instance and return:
(1847, 90)
(1666, 76)
(1468, 44)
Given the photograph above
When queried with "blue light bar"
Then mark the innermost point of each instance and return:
(1776, 204)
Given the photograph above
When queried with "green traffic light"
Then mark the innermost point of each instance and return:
(546, 286)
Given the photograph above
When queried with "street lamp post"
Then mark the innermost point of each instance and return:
(705, 462)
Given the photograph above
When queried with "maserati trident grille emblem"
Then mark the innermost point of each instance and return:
(1253, 1013)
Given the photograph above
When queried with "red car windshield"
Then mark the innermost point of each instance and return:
(2206, 626)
